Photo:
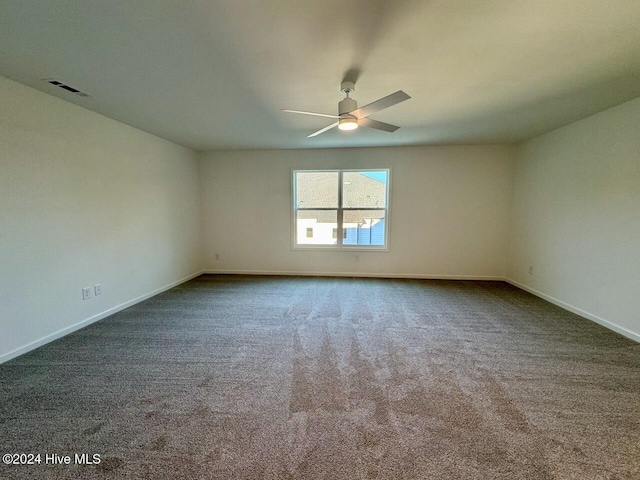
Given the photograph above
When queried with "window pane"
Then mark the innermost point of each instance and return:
(319, 223)
(363, 227)
(316, 189)
(364, 189)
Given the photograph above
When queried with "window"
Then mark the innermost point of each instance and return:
(342, 208)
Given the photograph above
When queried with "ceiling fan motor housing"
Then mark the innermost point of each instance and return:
(347, 105)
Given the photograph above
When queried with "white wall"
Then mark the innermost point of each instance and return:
(576, 217)
(85, 200)
(448, 212)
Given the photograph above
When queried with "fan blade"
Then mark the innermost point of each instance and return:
(311, 113)
(385, 102)
(323, 130)
(387, 127)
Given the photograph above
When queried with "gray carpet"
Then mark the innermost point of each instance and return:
(229, 377)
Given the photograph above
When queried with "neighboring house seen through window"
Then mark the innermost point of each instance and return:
(341, 208)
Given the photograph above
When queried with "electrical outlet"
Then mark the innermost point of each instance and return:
(530, 270)
(86, 293)
(97, 289)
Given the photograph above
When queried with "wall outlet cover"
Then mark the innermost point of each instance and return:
(97, 289)
(86, 293)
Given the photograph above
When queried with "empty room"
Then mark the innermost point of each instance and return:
(284, 239)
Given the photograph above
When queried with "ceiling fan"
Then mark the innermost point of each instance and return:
(350, 116)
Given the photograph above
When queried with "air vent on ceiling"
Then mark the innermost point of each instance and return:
(68, 88)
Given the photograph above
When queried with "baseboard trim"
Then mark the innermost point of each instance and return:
(578, 311)
(296, 273)
(88, 321)
(77, 326)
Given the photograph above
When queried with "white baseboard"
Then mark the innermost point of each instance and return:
(77, 326)
(578, 311)
(88, 321)
(295, 273)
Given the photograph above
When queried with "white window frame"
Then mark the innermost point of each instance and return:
(339, 210)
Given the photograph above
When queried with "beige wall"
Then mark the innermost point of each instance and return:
(85, 200)
(448, 212)
(576, 217)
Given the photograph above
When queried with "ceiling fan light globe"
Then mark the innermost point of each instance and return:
(348, 124)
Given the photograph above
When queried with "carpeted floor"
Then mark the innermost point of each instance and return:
(230, 377)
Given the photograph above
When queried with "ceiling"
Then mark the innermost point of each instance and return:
(214, 74)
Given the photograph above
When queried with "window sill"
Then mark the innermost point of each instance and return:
(341, 248)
